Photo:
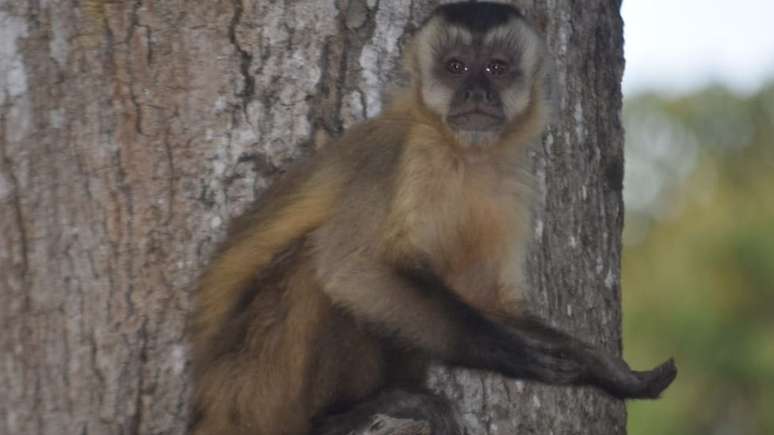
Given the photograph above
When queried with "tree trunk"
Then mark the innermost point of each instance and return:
(132, 131)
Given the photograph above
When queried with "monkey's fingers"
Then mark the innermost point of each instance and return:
(654, 382)
(614, 376)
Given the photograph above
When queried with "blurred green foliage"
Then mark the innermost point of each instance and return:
(698, 268)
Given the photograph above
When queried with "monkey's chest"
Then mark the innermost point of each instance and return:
(475, 237)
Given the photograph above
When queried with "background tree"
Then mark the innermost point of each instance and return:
(131, 132)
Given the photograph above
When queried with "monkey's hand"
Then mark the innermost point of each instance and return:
(555, 357)
(614, 376)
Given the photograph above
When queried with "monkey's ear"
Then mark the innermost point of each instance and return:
(418, 49)
(419, 52)
(411, 60)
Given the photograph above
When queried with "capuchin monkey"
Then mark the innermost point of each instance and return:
(399, 244)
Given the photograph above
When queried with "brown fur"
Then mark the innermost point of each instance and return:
(298, 354)
(306, 311)
(271, 366)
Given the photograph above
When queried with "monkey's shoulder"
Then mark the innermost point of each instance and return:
(374, 144)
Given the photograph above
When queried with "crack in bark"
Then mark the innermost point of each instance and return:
(170, 157)
(245, 58)
(101, 379)
(134, 23)
(28, 361)
(16, 204)
(338, 52)
(135, 423)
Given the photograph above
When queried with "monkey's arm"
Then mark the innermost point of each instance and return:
(415, 307)
(608, 372)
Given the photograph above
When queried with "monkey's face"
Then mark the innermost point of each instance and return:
(477, 78)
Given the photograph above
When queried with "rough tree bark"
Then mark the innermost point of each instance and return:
(132, 131)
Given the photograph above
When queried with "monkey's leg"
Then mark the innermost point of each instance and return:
(397, 411)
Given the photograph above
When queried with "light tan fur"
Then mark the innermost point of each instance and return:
(465, 207)
(435, 95)
(532, 62)
(516, 99)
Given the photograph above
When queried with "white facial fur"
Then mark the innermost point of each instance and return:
(437, 96)
(516, 98)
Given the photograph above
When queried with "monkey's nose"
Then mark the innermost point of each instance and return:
(479, 95)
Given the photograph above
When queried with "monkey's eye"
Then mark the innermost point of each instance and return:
(456, 66)
(496, 67)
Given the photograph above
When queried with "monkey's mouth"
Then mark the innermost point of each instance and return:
(475, 120)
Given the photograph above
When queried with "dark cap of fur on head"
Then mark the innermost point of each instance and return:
(477, 16)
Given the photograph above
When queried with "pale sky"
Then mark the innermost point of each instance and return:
(679, 45)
